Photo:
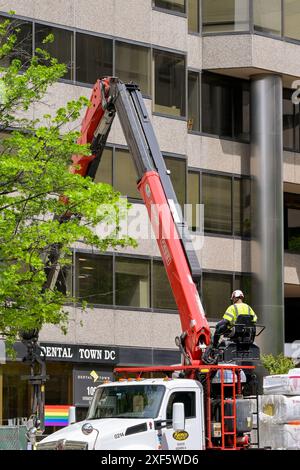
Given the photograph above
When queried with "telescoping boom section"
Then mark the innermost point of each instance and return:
(111, 96)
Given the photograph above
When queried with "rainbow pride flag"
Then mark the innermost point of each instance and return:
(56, 415)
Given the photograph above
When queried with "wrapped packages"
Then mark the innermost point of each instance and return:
(285, 384)
(279, 409)
(279, 436)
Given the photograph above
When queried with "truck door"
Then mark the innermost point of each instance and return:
(192, 437)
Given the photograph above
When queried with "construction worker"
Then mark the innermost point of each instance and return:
(224, 326)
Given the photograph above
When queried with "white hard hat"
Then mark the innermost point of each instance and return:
(237, 294)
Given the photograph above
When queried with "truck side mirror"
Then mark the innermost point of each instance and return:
(178, 417)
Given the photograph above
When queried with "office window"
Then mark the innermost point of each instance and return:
(291, 10)
(291, 122)
(243, 283)
(193, 200)
(292, 222)
(125, 176)
(241, 207)
(217, 290)
(61, 48)
(162, 294)
(267, 16)
(225, 106)
(133, 65)
(104, 170)
(94, 278)
(132, 282)
(177, 167)
(193, 16)
(193, 101)
(220, 16)
(217, 197)
(170, 83)
(94, 58)
(22, 49)
(173, 5)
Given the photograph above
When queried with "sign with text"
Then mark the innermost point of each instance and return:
(80, 353)
(85, 383)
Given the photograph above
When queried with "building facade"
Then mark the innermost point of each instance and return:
(217, 78)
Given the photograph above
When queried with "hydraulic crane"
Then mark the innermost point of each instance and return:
(151, 414)
(111, 96)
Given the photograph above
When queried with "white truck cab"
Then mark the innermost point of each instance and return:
(146, 414)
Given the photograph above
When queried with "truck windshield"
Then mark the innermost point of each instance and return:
(132, 401)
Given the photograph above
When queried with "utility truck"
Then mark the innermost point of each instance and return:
(199, 404)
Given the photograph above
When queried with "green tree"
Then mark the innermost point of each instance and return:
(277, 364)
(35, 157)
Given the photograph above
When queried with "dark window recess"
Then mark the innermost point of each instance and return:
(220, 16)
(22, 49)
(61, 48)
(267, 16)
(217, 200)
(177, 167)
(292, 222)
(291, 122)
(170, 83)
(193, 215)
(132, 282)
(292, 319)
(242, 207)
(216, 291)
(125, 175)
(174, 5)
(193, 101)
(104, 173)
(291, 10)
(189, 401)
(193, 16)
(133, 65)
(94, 278)
(225, 106)
(94, 58)
(162, 294)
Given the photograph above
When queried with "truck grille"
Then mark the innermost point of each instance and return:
(62, 444)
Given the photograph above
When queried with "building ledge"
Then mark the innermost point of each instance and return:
(244, 55)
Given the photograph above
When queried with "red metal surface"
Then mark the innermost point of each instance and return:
(90, 122)
(200, 368)
(192, 316)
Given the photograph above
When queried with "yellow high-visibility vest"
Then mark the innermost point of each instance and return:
(235, 310)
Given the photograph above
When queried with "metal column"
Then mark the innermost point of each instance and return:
(267, 256)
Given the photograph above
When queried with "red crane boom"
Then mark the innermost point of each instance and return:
(110, 97)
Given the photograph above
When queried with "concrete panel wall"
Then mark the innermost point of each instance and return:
(251, 51)
(119, 327)
(217, 51)
(226, 254)
(194, 48)
(217, 154)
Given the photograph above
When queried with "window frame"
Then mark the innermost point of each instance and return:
(178, 53)
(169, 11)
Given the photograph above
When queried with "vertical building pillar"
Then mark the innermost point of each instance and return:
(267, 255)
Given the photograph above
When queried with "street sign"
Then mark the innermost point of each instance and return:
(85, 383)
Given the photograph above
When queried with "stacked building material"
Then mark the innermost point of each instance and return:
(280, 411)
